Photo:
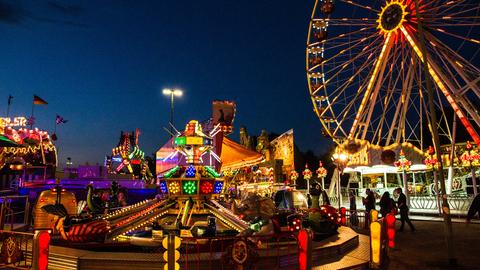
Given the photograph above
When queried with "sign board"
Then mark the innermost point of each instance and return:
(19, 121)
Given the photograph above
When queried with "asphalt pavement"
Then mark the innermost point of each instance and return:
(426, 247)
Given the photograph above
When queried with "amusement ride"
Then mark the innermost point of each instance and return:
(366, 67)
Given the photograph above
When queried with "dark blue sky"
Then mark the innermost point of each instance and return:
(102, 65)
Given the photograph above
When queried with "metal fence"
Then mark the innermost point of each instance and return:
(356, 219)
(16, 250)
(14, 212)
(263, 252)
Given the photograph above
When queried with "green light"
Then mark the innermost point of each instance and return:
(189, 187)
(212, 172)
(180, 141)
(171, 172)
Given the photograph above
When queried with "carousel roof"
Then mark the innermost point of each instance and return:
(236, 156)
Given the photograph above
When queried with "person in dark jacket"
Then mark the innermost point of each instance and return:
(402, 205)
(353, 209)
(474, 208)
(369, 203)
(386, 205)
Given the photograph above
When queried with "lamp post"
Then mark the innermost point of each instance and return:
(403, 165)
(432, 164)
(340, 159)
(172, 93)
(471, 158)
(321, 173)
(307, 175)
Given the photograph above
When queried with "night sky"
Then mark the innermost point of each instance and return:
(102, 65)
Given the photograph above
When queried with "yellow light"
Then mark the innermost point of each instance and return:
(376, 241)
(175, 92)
(400, 23)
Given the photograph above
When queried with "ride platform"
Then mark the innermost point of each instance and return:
(345, 250)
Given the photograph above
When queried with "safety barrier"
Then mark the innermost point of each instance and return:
(356, 219)
(382, 239)
(16, 249)
(270, 251)
(14, 212)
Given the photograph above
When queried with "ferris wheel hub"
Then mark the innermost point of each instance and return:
(392, 16)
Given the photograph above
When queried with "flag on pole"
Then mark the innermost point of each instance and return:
(10, 97)
(31, 121)
(38, 100)
(60, 120)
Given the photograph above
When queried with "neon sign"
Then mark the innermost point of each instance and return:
(13, 122)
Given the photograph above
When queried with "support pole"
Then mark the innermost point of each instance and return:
(474, 180)
(405, 184)
(451, 172)
(436, 143)
(339, 190)
(171, 114)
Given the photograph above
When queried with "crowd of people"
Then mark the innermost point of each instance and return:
(387, 205)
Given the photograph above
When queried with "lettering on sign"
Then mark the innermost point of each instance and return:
(13, 122)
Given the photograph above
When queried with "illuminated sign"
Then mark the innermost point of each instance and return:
(13, 122)
(195, 140)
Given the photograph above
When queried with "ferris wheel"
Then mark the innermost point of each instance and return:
(365, 68)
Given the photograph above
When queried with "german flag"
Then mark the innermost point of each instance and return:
(38, 100)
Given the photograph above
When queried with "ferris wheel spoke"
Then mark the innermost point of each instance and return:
(360, 5)
(349, 48)
(442, 8)
(339, 37)
(457, 36)
(459, 60)
(391, 86)
(339, 90)
(434, 72)
(469, 8)
(340, 68)
(378, 65)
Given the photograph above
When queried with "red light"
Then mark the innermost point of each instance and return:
(390, 220)
(304, 250)
(135, 161)
(43, 247)
(343, 215)
(206, 187)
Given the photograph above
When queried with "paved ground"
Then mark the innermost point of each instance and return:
(426, 248)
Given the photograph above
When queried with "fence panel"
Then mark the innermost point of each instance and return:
(16, 249)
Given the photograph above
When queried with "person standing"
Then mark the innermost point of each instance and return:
(474, 208)
(386, 205)
(402, 206)
(369, 203)
(353, 209)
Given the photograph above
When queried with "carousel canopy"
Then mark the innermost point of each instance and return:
(6, 142)
(236, 156)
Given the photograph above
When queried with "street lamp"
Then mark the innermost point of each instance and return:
(172, 93)
(340, 160)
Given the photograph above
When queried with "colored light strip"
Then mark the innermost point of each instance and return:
(463, 118)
